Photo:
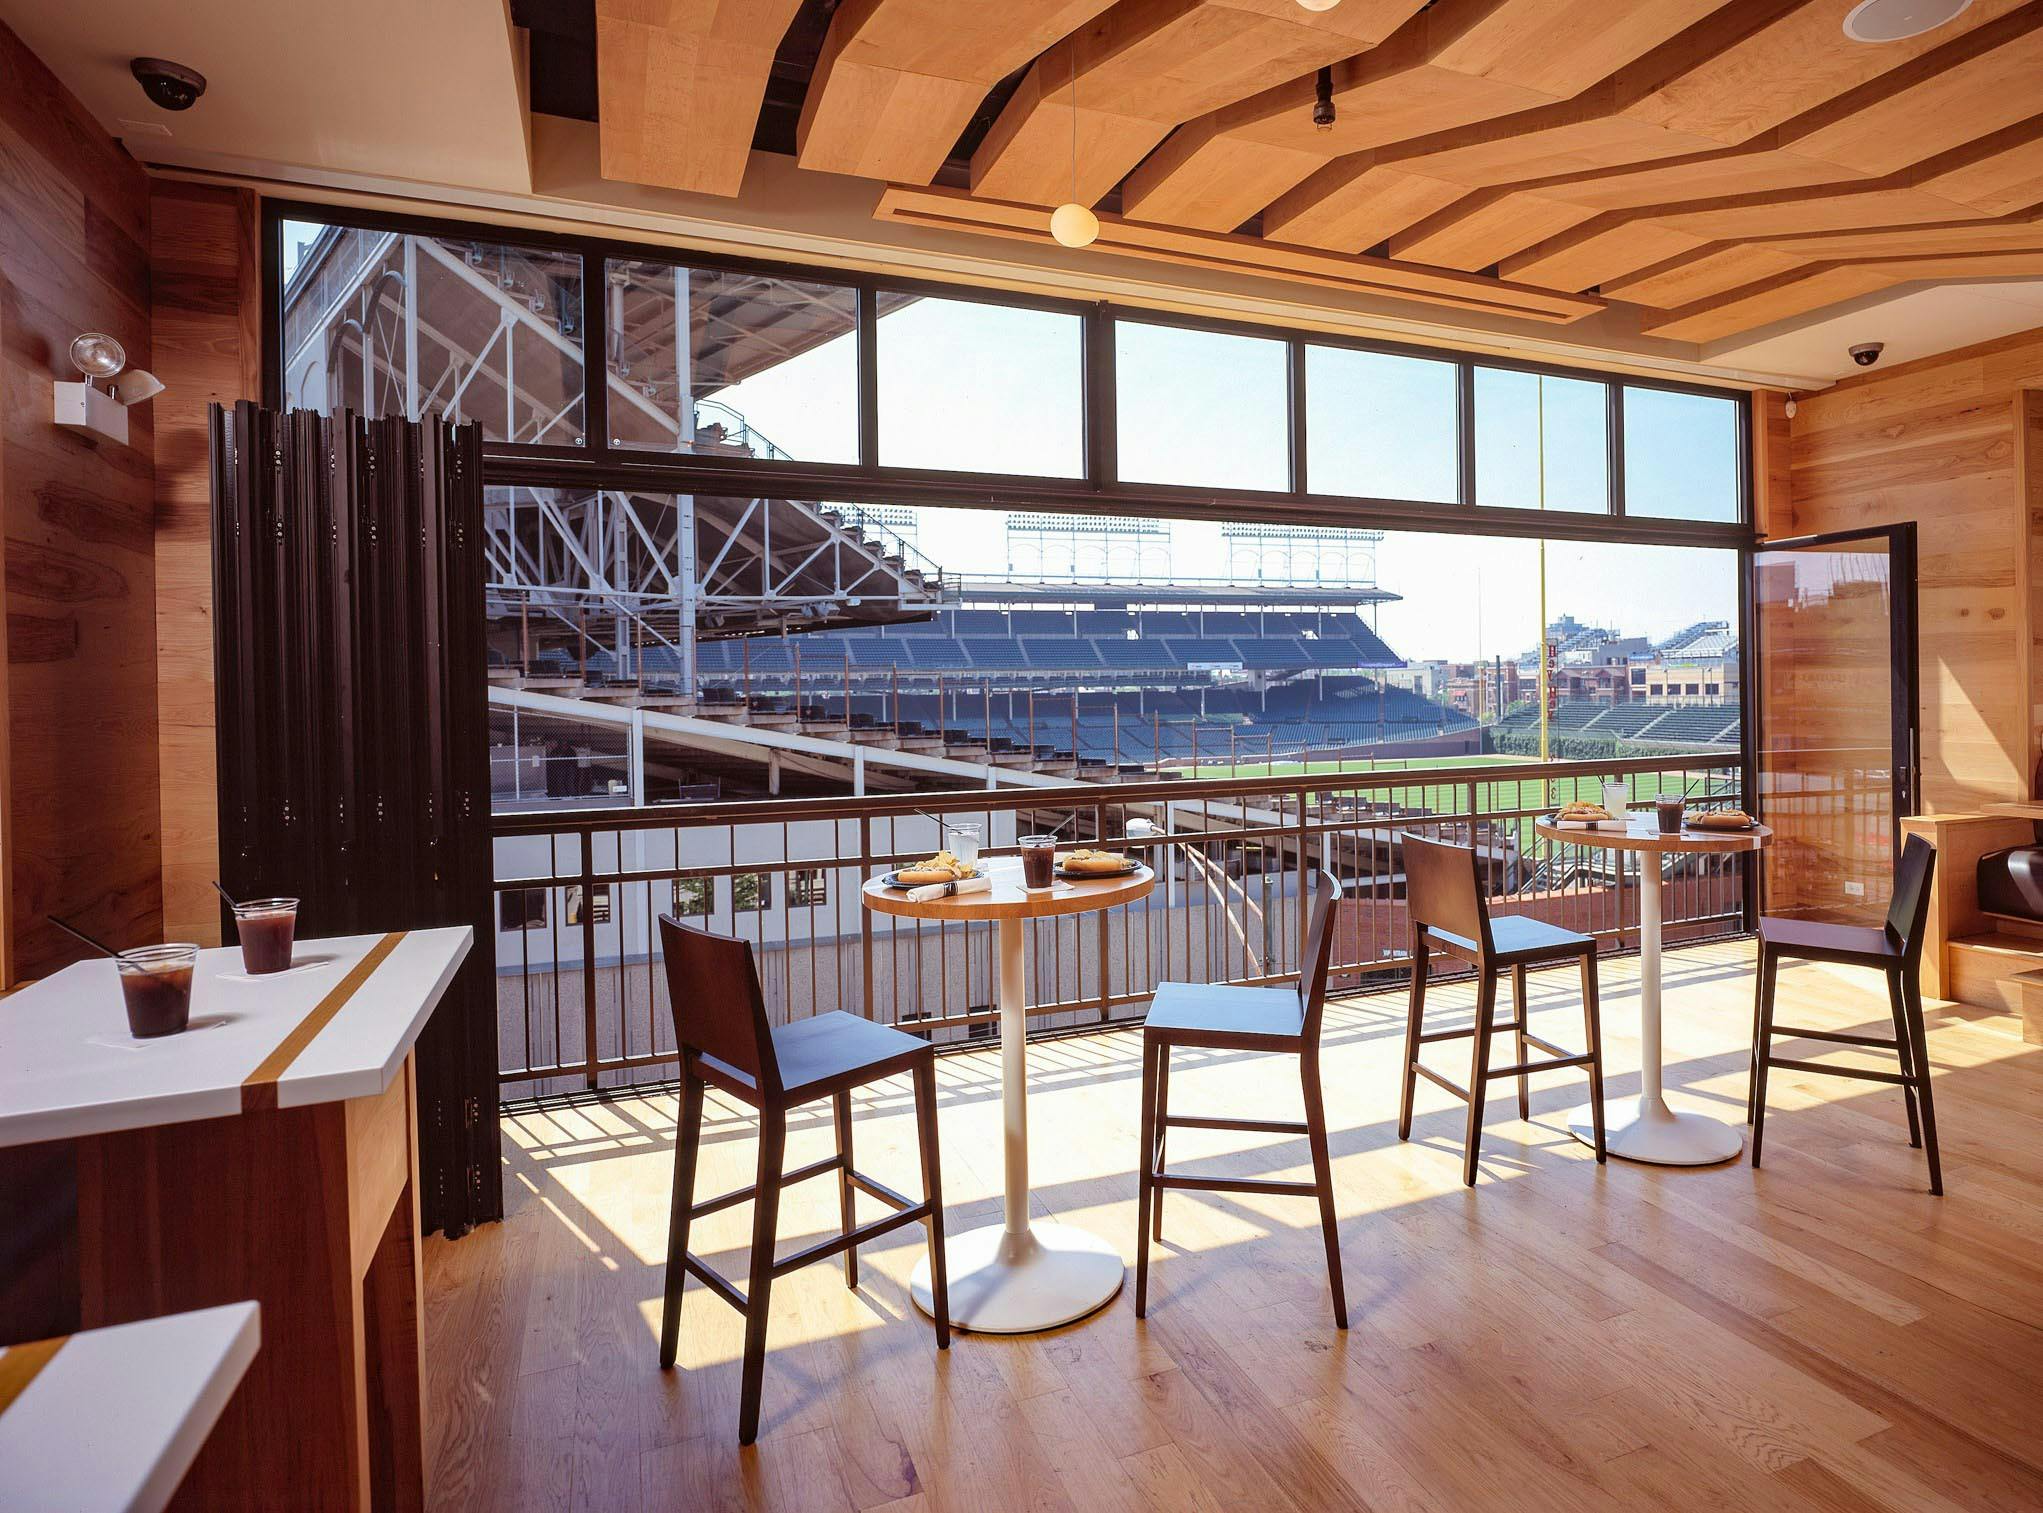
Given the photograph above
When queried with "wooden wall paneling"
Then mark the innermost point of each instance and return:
(7, 977)
(1935, 442)
(77, 517)
(1773, 484)
(206, 326)
(2028, 479)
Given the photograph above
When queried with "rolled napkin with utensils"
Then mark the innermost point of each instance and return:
(928, 891)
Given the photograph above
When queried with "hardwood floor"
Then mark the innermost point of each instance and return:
(1820, 1334)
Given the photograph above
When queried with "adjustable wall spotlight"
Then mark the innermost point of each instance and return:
(102, 411)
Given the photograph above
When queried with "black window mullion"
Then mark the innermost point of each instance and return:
(1301, 484)
(1465, 426)
(1102, 400)
(1614, 446)
(868, 376)
(595, 350)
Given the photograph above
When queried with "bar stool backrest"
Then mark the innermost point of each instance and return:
(1908, 913)
(1319, 952)
(713, 988)
(1443, 890)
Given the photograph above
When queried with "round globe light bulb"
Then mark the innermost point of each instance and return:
(97, 355)
(1319, 5)
(1074, 225)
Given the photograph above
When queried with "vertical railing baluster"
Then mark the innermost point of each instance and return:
(588, 886)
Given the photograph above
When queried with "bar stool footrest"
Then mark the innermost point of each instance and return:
(1861, 1074)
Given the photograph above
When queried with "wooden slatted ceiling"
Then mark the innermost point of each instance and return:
(898, 80)
(1453, 65)
(1979, 86)
(1812, 289)
(1146, 65)
(1742, 72)
(1719, 161)
(678, 87)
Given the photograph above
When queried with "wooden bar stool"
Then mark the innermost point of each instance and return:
(1450, 914)
(1214, 1016)
(720, 1023)
(1894, 950)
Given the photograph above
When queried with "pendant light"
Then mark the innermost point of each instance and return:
(1319, 5)
(1073, 224)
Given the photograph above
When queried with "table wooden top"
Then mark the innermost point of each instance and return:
(1009, 900)
(1644, 836)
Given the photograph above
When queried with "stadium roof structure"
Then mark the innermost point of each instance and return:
(1195, 592)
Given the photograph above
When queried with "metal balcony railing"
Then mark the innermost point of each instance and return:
(582, 992)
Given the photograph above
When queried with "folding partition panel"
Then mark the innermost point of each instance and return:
(353, 722)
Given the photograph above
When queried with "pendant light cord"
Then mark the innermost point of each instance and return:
(1074, 121)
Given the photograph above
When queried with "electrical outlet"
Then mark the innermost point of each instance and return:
(1854, 890)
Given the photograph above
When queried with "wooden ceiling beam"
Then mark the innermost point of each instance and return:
(678, 86)
(955, 210)
(1706, 274)
(1454, 65)
(898, 80)
(1727, 266)
(1144, 66)
(1826, 284)
(1990, 177)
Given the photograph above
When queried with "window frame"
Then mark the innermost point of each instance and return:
(1098, 490)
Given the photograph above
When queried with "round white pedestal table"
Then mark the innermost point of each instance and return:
(1016, 1277)
(1645, 1128)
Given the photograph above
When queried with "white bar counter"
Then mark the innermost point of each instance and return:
(267, 1152)
(69, 1067)
(109, 1420)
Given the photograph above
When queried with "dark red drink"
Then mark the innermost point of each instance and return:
(1670, 811)
(1039, 861)
(266, 927)
(156, 983)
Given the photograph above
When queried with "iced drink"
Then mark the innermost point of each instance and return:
(156, 982)
(1039, 861)
(266, 927)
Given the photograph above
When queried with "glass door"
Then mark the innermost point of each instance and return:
(1836, 750)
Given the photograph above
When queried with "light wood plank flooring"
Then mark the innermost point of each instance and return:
(1820, 1334)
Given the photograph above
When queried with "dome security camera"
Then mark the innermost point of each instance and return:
(1866, 353)
(169, 85)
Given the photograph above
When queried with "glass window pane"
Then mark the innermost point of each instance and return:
(1381, 426)
(1541, 442)
(389, 324)
(982, 388)
(1680, 455)
(772, 363)
(1203, 408)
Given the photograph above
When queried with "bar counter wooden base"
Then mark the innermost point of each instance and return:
(312, 1212)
